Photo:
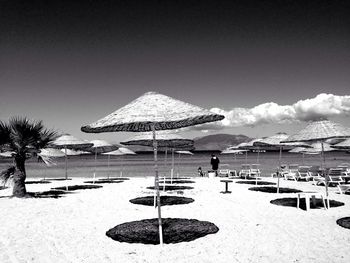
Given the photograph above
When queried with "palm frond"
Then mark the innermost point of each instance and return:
(27, 137)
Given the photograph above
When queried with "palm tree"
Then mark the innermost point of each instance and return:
(24, 138)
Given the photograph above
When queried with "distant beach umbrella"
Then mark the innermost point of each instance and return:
(100, 146)
(344, 145)
(119, 152)
(164, 140)
(152, 112)
(7, 154)
(51, 152)
(70, 152)
(320, 131)
(70, 142)
(248, 146)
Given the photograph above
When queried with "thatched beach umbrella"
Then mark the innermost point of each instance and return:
(319, 131)
(344, 145)
(119, 152)
(46, 155)
(164, 140)
(101, 146)
(248, 146)
(70, 142)
(276, 141)
(152, 112)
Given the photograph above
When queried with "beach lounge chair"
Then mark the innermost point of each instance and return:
(233, 173)
(245, 171)
(255, 171)
(335, 176)
(304, 173)
(293, 171)
(224, 173)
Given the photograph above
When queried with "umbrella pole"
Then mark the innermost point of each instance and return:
(94, 176)
(326, 176)
(109, 158)
(279, 167)
(165, 160)
(246, 157)
(157, 185)
(66, 175)
(258, 157)
(178, 166)
(172, 166)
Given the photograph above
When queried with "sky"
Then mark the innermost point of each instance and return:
(268, 66)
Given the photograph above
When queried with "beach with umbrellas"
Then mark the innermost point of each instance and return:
(294, 210)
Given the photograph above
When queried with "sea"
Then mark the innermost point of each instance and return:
(142, 165)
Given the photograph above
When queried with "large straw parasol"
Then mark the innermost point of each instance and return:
(46, 155)
(101, 146)
(70, 142)
(165, 140)
(119, 152)
(151, 112)
(320, 131)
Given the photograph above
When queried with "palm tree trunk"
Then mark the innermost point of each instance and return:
(19, 177)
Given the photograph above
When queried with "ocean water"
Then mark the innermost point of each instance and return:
(141, 165)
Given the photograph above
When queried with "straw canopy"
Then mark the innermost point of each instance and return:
(319, 131)
(184, 152)
(152, 108)
(71, 152)
(344, 145)
(70, 142)
(51, 152)
(120, 151)
(317, 147)
(102, 146)
(274, 140)
(170, 140)
(233, 151)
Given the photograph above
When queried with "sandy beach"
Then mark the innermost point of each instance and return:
(72, 228)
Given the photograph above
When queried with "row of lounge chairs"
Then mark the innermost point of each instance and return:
(338, 176)
(247, 171)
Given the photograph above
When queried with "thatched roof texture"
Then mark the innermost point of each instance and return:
(319, 131)
(152, 108)
(164, 139)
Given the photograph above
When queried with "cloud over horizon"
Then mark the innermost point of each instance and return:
(323, 106)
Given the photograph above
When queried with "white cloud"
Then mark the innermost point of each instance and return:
(322, 106)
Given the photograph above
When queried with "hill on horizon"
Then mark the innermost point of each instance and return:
(218, 142)
(214, 142)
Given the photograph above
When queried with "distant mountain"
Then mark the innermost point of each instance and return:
(215, 142)
(218, 142)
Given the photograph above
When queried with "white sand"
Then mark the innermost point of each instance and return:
(72, 228)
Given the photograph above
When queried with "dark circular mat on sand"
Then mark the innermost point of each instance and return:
(103, 182)
(175, 230)
(344, 222)
(292, 202)
(171, 187)
(164, 200)
(114, 179)
(58, 179)
(77, 187)
(253, 182)
(48, 194)
(273, 189)
(38, 182)
(178, 181)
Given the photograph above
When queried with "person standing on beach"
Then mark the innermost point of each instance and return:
(215, 163)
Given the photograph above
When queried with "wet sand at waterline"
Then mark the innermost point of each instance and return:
(251, 229)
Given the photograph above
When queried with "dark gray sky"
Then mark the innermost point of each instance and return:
(71, 63)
